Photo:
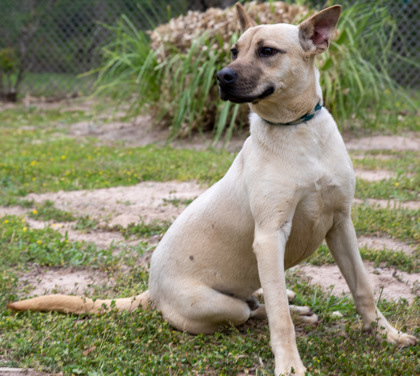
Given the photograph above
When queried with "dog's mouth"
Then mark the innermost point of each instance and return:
(231, 95)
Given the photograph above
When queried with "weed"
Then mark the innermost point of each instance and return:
(47, 212)
(142, 229)
(86, 224)
(178, 202)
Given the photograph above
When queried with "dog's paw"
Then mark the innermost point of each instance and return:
(384, 331)
(290, 295)
(303, 315)
(397, 338)
(405, 340)
(290, 371)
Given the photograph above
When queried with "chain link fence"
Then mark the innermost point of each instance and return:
(47, 45)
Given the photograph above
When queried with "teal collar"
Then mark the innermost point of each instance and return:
(302, 119)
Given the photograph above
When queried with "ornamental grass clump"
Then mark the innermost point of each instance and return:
(170, 71)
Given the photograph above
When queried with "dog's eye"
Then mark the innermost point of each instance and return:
(267, 51)
(234, 52)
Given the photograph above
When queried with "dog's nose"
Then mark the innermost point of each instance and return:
(227, 76)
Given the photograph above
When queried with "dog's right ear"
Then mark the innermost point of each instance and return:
(244, 18)
(315, 33)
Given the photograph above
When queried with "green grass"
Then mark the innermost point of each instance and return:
(402, 187)
(142, 343)
(19, 118)
(47, 212)
(397, 161)
(402, 224)
(142, 230)
(404, 166)
(65, 164)
(55, 85)
(381, 258)
(21, 246)
(136, 230)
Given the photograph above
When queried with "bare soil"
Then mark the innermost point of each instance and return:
(409, 141)
(64, 281)
(387, 283)
(146, 201)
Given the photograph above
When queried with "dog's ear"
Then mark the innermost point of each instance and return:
(244, 18)
(315, 32)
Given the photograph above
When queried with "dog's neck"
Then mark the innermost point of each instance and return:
(302, 119)
(288, 108)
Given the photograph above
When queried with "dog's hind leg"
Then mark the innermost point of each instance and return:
(291, 295)
(342, 242)
(204, 310)
(301, 315)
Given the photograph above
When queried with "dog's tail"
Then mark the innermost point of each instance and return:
(79, 305)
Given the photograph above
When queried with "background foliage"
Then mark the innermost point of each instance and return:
(182, 90)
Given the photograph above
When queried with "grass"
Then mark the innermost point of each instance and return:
(402, 187)
(402, 224)
(143, 344)
(55, 85)
(29, 165)
(142, 230)
(405, 181)
(21, 246)
(38, 156)
(381, 258)
(47, 212)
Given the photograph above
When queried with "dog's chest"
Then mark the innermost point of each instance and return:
(328, 194)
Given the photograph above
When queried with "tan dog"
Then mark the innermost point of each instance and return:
(289, 188)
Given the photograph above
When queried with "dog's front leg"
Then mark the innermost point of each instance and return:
(342, 241)
(269, 247)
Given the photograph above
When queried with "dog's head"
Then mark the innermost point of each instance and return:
(275, 60)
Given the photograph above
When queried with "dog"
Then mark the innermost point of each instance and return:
(289, 188)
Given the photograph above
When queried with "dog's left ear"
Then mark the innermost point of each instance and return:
(244, 18)
(315, 32)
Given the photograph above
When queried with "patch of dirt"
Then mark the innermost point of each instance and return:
(406, 142)
(373, 175)
(12, 210)
(139, 132)
(146, 201)
(383, 157)
(386, 282)
(378, 244)
(391, 204)
(102, 239)
(8, 371)
(63, 281)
